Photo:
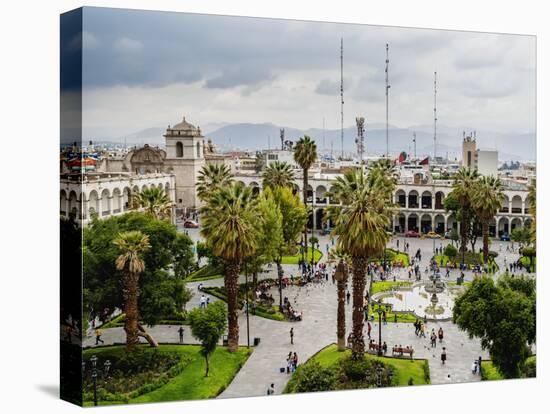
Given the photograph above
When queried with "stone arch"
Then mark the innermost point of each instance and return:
(505, 205)
(179, 149)
(425, 223)
(105, 202)
(63, 207)
(439, 224)
(426, 200)
(516, 223)
(93, 202)
(413, 222)
(116, 202)
(319, 213)
(401, 198)
(126, 197)
(517, 204)
(439, 200)
(321, 194)
(413, 199)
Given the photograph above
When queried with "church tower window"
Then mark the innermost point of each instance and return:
(179, 150)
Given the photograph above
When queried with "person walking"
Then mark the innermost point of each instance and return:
(180, 331)
(292, 336)
(443, 356)
(98, 337)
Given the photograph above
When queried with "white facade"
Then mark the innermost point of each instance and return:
(107, 194)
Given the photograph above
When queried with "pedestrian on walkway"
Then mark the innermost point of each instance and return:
(180, 331)
(292, 336)
(98, 337)
(443, 356)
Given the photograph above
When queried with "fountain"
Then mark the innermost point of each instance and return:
(432, 300)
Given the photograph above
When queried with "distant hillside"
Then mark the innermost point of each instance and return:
(249, 136)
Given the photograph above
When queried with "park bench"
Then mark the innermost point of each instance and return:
(401, 351)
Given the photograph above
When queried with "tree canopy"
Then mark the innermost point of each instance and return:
(163, 293)
(503, 316)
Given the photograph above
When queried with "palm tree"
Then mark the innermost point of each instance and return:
(278, 174)
(305, 154)
(211, 177)
(132, 244)
(155, 202)
(339, 256)
(463, 189)
(487, 200)
(230, 227)
(360, 227)
(533, 209)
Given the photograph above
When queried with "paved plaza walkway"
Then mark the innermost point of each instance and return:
(318, 329)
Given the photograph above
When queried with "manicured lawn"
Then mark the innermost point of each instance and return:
(260, 310)
(294, 259)
(189, 382)
(387, 285)
(404, 369)
(206, 272)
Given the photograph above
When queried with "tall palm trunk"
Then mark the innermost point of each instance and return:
(485, 230)
(358, 283)
(280, 279)
(464, 230)
(305, 204)
(232, 287)
(341, 318)
(131, 293)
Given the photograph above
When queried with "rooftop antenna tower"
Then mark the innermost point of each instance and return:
(342, 95)
(387, 101)
(360, 140)
(435, 114)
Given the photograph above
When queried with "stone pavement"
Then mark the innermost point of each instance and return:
(318, 329)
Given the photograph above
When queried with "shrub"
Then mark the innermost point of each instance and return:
(450, 251)
(313, 377)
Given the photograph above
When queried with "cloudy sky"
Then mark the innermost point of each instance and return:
(147, 69)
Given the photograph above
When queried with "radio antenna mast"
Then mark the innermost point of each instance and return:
(342, 95)
(360, 141)
(387, 102)
(435, 114)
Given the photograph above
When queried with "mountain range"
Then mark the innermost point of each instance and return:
(252, 136)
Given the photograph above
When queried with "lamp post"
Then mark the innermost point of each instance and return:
(379, 311)
(94, 373)
(341, 276)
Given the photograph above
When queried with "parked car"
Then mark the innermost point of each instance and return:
(432, 235)
(190, 224)
(412, 233)
(504, 237)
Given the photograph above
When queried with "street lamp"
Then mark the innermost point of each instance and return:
(379, 311)
(94, 373)
(341, 276)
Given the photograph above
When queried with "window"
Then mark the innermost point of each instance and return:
(179, 150)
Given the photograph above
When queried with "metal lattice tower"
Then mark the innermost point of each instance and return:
(435, 114)
(360, 140)
(342, 95)
(387, 101)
